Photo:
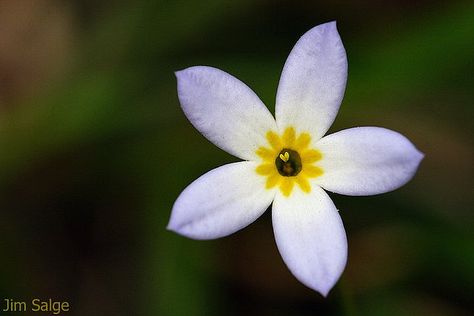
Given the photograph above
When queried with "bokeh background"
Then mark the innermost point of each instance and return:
(94, 149)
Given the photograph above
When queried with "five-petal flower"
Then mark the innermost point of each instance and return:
(288, 162)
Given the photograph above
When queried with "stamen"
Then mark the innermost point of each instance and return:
(285, 157)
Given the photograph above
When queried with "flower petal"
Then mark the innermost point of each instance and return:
(366, 161)
(221, 202)
(313, 81)
(310, 237)
(224, 110)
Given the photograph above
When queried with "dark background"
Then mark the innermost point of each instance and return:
(94, 149)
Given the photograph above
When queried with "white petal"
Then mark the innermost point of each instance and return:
(221, 202)
(224, 110)
(366, 161)
(313, 81)
(310, 236)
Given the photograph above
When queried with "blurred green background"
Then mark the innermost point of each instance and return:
(94, 149)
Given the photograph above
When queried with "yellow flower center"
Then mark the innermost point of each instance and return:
(288, 160)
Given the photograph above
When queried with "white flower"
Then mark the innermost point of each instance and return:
(288, 162)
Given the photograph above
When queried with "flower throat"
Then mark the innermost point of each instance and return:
(288, 163)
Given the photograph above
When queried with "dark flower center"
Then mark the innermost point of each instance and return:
(288, 162)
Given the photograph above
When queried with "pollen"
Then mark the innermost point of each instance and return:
(288, 160)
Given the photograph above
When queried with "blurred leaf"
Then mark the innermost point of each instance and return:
(413, 58)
